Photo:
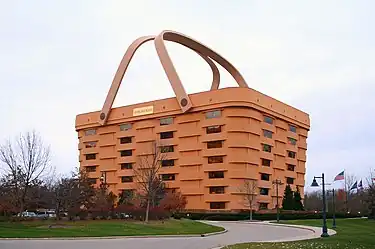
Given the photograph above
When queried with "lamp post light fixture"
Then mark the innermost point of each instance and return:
(277, 182)
(103, 179)
(315, 184)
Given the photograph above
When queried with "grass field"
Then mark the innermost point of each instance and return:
(351, 234)
(40, 229)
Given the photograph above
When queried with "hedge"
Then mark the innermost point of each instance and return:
(258, 216)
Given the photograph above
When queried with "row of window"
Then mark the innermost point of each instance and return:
(270, 120)
(268, 134)
(266, 177)
(222, 205)
(267, 163)
(268, 148)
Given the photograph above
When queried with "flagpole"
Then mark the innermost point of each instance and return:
(346, 192)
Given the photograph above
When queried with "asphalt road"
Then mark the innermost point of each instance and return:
(237, 233)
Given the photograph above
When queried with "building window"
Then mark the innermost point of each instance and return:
(217, 190)
(291, 154)
(165, 149)
(126, 153)
(215, 159)
(267, 148)
(126, 166)
(266, 162)
(91, 181)
(263, 191)
(215, 174)
(91, 169)
(90, 132)
(167, 163)
(268, 120)
(292, 141)
(291, 167)
(126, 179)
(267, 133)
(168, 177)
(213, 129)
(125, 140)
(213, 114)
(217, 205)
(166, 135)
(214, 144)
(292, 128)
(264, 177)
(125, 127)
(90, 144)
(263, 205)
(90, 156)
(290, 180)
(166, 121)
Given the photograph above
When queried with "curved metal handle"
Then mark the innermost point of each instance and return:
(182, 97)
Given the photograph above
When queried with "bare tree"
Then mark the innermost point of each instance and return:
(249, 190)
(146, 172)
(25, 161)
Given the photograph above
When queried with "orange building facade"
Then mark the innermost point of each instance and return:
(226, 137)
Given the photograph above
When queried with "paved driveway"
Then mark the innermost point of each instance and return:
(237, 232)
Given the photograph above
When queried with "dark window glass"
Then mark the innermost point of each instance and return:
(289, 180)
(168, 177)
(217, 190)
(213, 129)
(167, 163)
(126, 166)
(217, 205)
(90, 144)
(90, 132)
(291, 154)
(268, 120)
(166, 135)
(90, 156)
(266, 162)
(126, 179)
(291, 167)
(292, 141)
(125, 140)
(267, 148)
(267, 133)
(216, 174)
(213, 114)
(166, 121)
(263, 191)
(91, 180)
(165, 149)
(264, 177)
(292, 128)
(263, 205)
(126, 153)
(214, 144)
(125, 127)
(127, 193)
(91, 169)
(215, 159)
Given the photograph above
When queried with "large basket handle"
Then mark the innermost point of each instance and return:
(183, 99)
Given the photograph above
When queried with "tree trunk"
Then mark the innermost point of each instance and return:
(251, 214)
(147, 209)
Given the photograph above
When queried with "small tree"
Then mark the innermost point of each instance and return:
(26, 160)
(173, 202)
(288, 201)
(249, 190)
(147, 175)
(371, 196)
(298, 201)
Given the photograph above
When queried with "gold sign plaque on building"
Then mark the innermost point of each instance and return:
(215, 140)
(143, 110)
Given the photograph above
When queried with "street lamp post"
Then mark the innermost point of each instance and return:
(315, 184)
(277, 183)
(333, 209)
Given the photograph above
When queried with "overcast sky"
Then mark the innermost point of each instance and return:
(58, 58)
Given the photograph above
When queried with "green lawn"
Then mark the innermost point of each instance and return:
(39, 229)
(351, 234)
